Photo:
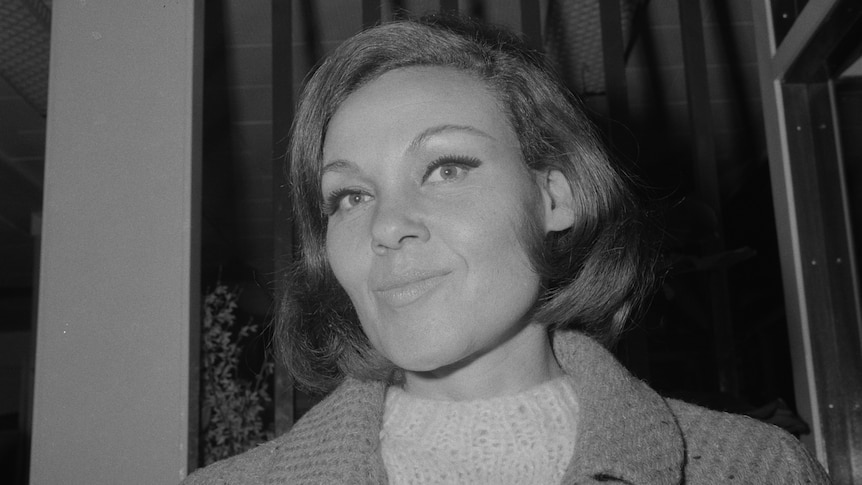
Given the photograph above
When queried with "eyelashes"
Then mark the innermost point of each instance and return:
(443, 170)
(461, 165)
(344, 198)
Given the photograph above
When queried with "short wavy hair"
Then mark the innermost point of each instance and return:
(593, 275)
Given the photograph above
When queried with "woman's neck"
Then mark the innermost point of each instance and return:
(527, 361)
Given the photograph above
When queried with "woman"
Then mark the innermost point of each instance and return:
(466, 250)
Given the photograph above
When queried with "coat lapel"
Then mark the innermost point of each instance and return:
(337, 441)
(626, 431)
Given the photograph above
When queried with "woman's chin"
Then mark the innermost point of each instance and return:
(437, 367)
(427, 366)
(423, 351)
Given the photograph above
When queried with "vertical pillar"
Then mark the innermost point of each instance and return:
(116, 352)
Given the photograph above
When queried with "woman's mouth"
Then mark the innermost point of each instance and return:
(407, 288)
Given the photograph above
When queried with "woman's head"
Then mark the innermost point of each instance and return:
(585, 273)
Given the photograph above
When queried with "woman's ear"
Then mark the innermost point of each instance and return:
(559, 202)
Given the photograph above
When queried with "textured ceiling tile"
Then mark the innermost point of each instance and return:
(24, 46)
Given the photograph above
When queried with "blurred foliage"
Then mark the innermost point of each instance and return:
(232, 414)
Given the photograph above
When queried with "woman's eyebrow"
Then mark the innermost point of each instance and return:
(421, 138)
(339, 166)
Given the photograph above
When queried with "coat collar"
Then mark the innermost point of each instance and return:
(626, 431)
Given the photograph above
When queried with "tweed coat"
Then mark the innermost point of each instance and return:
(627, 434)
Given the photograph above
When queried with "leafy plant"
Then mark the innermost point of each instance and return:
(233, 405)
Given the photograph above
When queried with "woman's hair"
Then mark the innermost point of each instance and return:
(593, 275)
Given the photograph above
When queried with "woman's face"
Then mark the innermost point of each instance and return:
(427, 196)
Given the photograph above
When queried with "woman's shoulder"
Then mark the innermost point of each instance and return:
(250, 467)
(723, 446)
(330, 442)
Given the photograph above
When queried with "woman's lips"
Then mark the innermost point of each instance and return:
(407, 288)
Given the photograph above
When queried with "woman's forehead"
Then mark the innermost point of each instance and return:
(415, 102)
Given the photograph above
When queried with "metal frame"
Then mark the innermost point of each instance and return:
(812, 216)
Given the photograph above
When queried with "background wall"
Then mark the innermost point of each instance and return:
(118, 299)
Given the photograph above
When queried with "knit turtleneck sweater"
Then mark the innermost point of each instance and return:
(527, 437)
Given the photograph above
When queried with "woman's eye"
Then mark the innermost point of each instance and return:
(344, 200)
(449, 173)
(352, 200)
(449, 170)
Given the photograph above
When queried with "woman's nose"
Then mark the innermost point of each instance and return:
(396, 223)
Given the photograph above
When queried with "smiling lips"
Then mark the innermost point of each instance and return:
(408, 287)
